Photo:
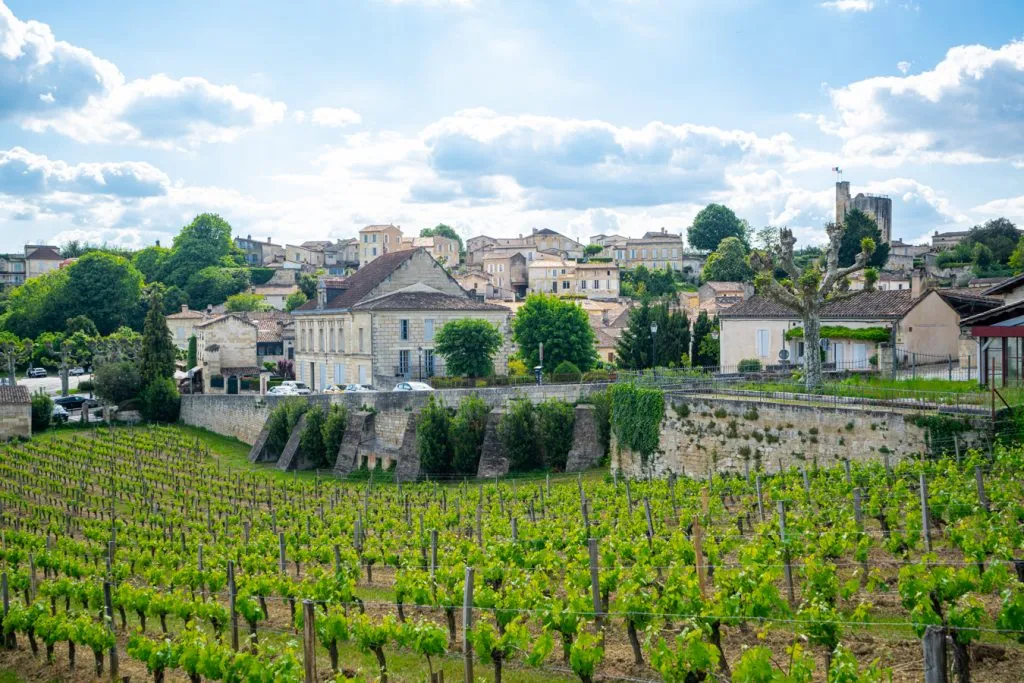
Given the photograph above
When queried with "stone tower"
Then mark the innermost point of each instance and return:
(878, 207)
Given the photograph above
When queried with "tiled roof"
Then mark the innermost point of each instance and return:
(1005, 285)
(357, 286)
(378, 228)
(190, 314)
(967, 305)
(878, 305)
(996, 315)
(427, 301)
(721, 286)
(14, 395)
(43, 252)
(221, 318)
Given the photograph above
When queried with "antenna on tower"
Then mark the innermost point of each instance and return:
(839, 173)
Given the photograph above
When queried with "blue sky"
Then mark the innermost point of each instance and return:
(306, 120)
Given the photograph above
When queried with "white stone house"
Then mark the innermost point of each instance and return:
(183, 323)
(378, 325)
(15, 413)
(227, 350)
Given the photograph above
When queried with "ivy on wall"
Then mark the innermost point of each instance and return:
(872, 334)
(940, 431)
(636, 417)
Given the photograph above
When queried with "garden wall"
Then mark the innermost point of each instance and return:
(243, 415)
(697, 436)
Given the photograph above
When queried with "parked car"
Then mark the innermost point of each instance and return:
(37, 372)
(59, 414)
(357, 388)
(413, 386)
(300, 388)
(76, 372)
(282, 390)
(335, 389)
(73, 402)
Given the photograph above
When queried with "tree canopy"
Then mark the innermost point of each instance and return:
(468, 347)
(671, 341)
(728, 263)
(713, 224)
(213, 285)
(203, 243)
(158, 351)
(856, 226)
(562, 326)
(246, 301)
(442, 230)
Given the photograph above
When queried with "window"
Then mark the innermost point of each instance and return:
(428, 330)
(403, 330)
(375, 251)
(321, 335)
(675, 253)
(597, 284)
(632, 253)
(762, 343)
(799, 350)
(428, 362)
(181, 332)
(643, 253)
(339, 373)
(501, 267)
(332, 340)
(361, 340)
(583, 284)
(403, 362)
(375, 238)
(364, 239)
(565, 284)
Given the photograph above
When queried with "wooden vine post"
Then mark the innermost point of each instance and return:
(467, 625)
(787, 568)
(308, 641)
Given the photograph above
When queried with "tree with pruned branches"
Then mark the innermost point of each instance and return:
(805, 291)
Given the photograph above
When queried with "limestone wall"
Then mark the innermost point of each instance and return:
(15, 421)
(243, 416)
(730, 435)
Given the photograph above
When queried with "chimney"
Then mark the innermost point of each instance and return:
(321, 294)
(535, 231)
(184, 308)
(916, 284)
(269, 238)
(248, 238)
(209, 309)
(663, 231)
(158, 243)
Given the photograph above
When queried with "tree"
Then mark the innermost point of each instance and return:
(192, 358)
(83, 324)
(246, 301)
(158, 351)
(810, 289)
(152, 262)
(592, 249)
(432, 440)
(982, 257)
(106, 288)
(999, 235)
(562, 326)
(442, 230)
(295, 300)
(213, 285)
(160, 400)
(712, 225)
(767, 238)
(857, 226)
(643, 283)
(13, 352)
(204, 243)
(728, 263)
(42, 411)
(117, 382)
(672, 339)
(702, 328)
(308, 284)
(468, 347)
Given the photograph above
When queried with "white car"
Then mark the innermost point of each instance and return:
(356, 388)
(282, 390)
(413, 386)
(76, 372)
(299, 388)
(37, 372)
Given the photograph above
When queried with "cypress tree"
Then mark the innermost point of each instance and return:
(158, 352)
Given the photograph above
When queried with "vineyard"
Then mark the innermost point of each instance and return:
(137, 552)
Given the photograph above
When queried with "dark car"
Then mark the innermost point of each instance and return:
(71, 402)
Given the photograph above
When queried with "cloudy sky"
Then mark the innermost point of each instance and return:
(308, 119)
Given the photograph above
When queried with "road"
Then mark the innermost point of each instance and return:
(51, 384)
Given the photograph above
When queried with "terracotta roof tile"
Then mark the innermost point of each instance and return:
(14, 395)
(357, 286)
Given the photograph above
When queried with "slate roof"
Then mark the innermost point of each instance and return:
(426, 301)
(891, 305)
(16, 395)
(357, 286)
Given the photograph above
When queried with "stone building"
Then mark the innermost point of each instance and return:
(257, 252)
(715, 297)
(377, 240)
(226, 349)
(341, 256)
(656, 249)
(307, 253)
(182, 324)
(15, 413)
(878, 207)
(506, 268)
(378, 325)
(445, 250)
(41, 259)
(555, 275)
(539, 241)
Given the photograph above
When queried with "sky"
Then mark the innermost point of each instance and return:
(119, 121)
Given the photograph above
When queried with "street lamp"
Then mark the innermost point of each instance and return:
(419, 350)
(654, 361)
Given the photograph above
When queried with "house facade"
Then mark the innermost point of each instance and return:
(377, 240)
(656, 249)
(13, 270)
(15, 413)
(257, 252)
(183, 323)
(555, 275)
(378, 325)
(41, 259)
(226, 348)
(341, 256)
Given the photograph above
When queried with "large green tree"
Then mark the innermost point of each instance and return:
(468, 347)
(728, 263)
(152, 262)
(712, 225)
(213, 285)
(158, 351)
(203, 243)
(857, 226)
(999, 235)
(671, 341)
(442, 230)
(702, 329)
(561, 325)
(246, 301)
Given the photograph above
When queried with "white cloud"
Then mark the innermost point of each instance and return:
(1011, 207)
(968, 109)
(850, 5)
(335, 117)
(23, 173)
(903, 66)
(46, 84)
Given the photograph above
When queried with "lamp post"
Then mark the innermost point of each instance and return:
(419, 371)
(654, 358)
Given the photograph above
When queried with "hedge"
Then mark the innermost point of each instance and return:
(872, 334)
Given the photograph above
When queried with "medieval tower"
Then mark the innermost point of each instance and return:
(878, 207)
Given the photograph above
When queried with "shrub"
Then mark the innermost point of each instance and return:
(467, 434)
(117, 382)
(160, 400)
(517, 368)
(567, 371)
(282, 421)
(432, 438)
(311, 440)
(42, 411)
(749, 365)
(86, 385)
(682, 410)
(334, 430)
(517, 431)
(554, 422)
(597, 376)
